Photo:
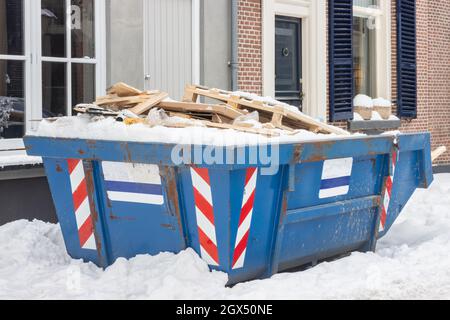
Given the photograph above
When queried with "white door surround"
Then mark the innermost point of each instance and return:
(314, 55)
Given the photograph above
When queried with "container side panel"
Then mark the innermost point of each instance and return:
(328, 181)
(58, 175)
(138, 217)
(261, 229)
(314, 235)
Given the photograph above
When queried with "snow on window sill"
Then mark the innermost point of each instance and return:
(18, 160)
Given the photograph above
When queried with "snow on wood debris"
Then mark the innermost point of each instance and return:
(233, 110)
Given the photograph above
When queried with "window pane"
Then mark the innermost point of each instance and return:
(83, 29)
(364, 57)
(83, 83)
(11, 27)
(366, 3)
(53, 28)
(12, 102)
(54, 91)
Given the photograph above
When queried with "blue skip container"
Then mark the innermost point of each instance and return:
(325, 199)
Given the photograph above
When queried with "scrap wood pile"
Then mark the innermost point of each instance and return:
(232, 111)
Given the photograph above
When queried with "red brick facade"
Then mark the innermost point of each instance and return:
(250, 46)
(433, 62)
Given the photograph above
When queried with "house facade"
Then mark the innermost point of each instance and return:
(395, 49)
(316, 54)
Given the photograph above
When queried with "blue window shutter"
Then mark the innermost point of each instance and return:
(341, 59)
(406, 59)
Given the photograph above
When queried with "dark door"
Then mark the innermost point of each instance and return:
(288, 67)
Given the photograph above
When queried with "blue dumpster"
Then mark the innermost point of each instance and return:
(326, 198)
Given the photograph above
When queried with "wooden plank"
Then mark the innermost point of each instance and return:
(222, 110)
(277, 119)
(221, 119)
(148, 104)
(266, 132)
(438, 152)
(122, 100)
(189, 94)
(303, 120)
(123, 90)
(180, 115)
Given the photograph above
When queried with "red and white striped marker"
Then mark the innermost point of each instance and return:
(81, 204)
(388, 193)
(245, 219)
(205, 216)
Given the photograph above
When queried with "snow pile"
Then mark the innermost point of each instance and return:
(361, 100)
(268, 100)
(393, 118)
(357, 117)
(376, 116)
(412, 262)
(84, 127)
(382, 103)
(251, 119)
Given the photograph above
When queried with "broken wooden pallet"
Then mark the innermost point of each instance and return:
(280, 116)
(123, 90)
(149, 103)
(212, 109)
(138, 104)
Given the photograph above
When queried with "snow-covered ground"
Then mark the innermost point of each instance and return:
(412, 262)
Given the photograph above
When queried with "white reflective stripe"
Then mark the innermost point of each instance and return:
(337, 168)
(83, 213)
(206, 226)
(131, 172)
(250, 187)
(386, 201)
(244, 227)
(240, 262)
(90, 243)
(206, 257)
(334, 192)
(77, 176)
(135, 197)
(202, 186)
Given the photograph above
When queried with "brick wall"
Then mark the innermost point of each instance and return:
(433, 63)
(250, 46)
(439, 73)
(433, 71)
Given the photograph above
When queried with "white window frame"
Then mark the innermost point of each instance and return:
(33, 66)
(382, 17)
(16, 146)
(314, 54)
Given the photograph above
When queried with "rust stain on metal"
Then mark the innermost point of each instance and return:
(58, 168)
(172, 193)
(377, 201)
(168, 226)
(81, 151)
(112, 216)
(128, 152)
(297, 153)
(284, 206)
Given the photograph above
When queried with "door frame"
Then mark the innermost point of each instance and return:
(314, 53)
(196, 63)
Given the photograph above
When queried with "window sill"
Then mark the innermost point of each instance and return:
(373, 126)
(22, 171)
(21, 160)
